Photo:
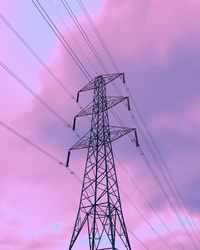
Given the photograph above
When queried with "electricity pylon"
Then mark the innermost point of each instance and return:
(100, 205)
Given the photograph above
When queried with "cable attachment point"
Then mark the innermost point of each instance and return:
(128, 103)
(68, 157)
(136, 138)
(74, 123)
(123, 78)
(77, 97)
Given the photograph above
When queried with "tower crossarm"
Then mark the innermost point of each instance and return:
(115, 133)
(107, 79)
(111, 102)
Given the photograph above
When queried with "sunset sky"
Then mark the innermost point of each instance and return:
(156, 43)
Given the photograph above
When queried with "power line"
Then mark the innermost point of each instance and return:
(148, 203)
(172, 187)
(36, 56)
(84, 35)
(61, 38)
(72, 35)
(161, 170)
(24, 85)
(43, 151)
(54, 26)
(167, 197)
(87, 15)
(156, 179)
(30, 49)
(145, 219)
(88, 41)
(162, 164)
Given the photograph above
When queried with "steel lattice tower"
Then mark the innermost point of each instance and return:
(100, 206)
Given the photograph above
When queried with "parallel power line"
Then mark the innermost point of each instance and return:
(84, 35)
(36, 56)
(24, 85)
(87, 41)
(161, 187)
(176, 193)
(73, 36)
(61, 39)
(88, 17)
(165, 173)
(165, 243)
(40, 60)
(40, 149)
(162, 164)
(147, 201)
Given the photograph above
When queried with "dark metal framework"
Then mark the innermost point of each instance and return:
(100, 205)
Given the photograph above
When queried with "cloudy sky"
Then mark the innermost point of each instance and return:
(156, 44)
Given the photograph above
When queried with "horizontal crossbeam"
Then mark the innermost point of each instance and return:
(107, 78)
(111, 102)
(115, 133)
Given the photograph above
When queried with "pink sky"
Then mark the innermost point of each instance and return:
(156, 44)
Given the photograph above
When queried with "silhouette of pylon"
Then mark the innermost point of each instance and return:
(100, 207)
